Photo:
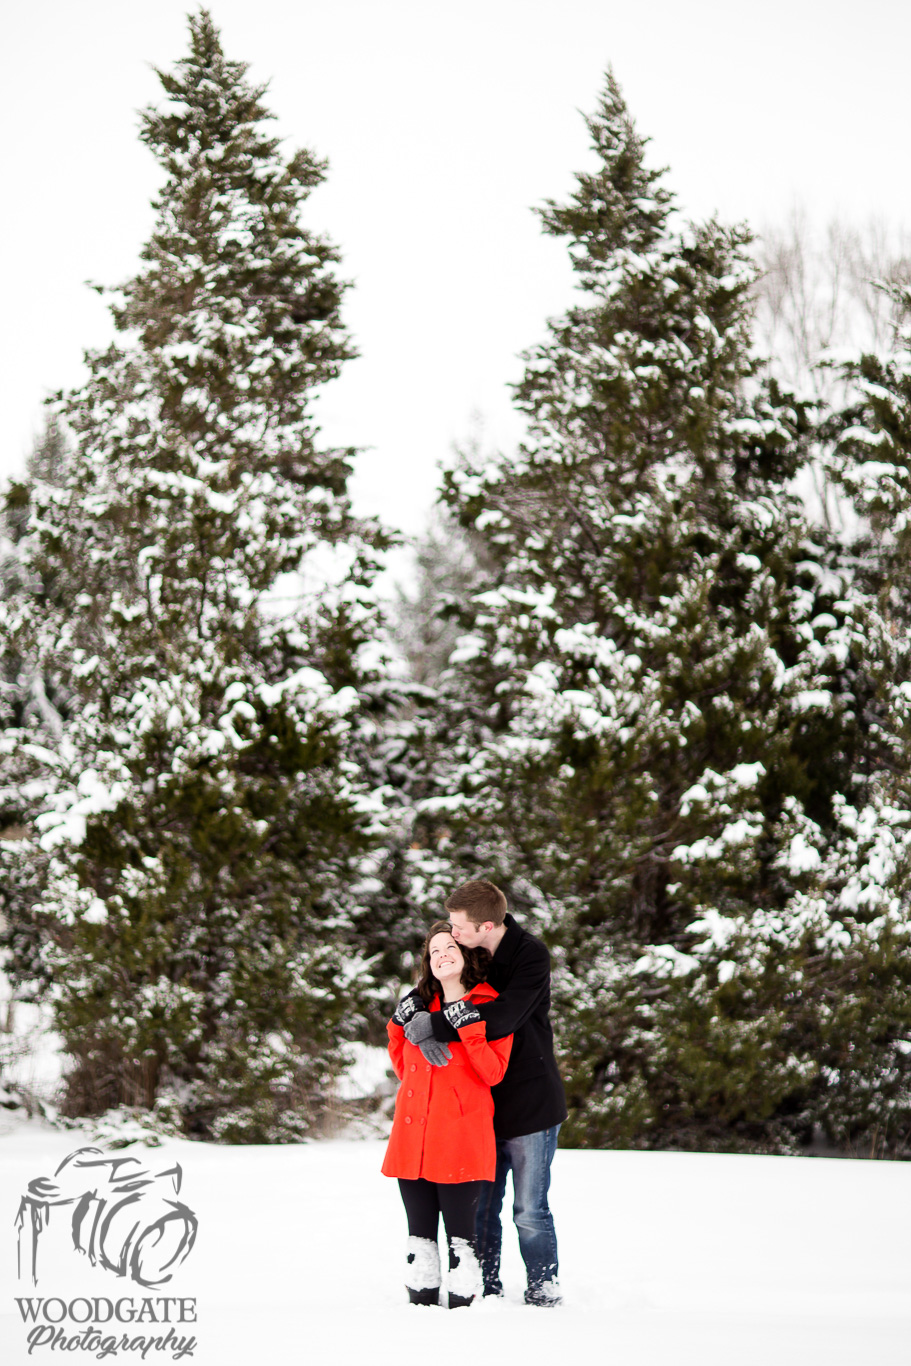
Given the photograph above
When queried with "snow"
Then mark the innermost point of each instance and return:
(682, 1257)
(432, 806)
(31, 1053)
(738, 832)
(812, 698)
(422, 1264)
(801, 857)
(664, 960)
(718, 787)
(465, 1277)
(91, 796)
(718, 929)
(467, 648)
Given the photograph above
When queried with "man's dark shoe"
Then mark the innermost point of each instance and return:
(544, 1296)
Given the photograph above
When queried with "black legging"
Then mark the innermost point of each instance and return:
(457, 1201)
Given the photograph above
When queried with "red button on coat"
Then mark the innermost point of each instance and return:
(407, 1119)
(414, 1067)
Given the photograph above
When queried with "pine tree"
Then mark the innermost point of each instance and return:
(33, 705)
(428, 618)
(206, 600)
(647, 718)
(864, 1032)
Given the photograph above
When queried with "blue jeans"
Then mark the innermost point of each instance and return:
(529, 1157)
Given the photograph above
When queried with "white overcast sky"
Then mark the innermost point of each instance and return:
(443, 124)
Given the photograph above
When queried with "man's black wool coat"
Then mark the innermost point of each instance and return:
(530, 1097)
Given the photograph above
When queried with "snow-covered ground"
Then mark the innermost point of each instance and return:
(665, 1258)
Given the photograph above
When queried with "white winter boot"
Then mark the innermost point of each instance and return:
(423, 1275)
(465, 1280)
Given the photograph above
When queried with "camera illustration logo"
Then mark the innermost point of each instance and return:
(122, 1216)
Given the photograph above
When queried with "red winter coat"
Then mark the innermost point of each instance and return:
(443, 1126)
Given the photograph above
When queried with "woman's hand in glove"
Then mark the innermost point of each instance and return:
(419, 1030)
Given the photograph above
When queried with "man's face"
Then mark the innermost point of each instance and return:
(465, 931)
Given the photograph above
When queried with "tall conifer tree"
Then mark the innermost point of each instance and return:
(864, 998)
(644, 721)
(205, 597)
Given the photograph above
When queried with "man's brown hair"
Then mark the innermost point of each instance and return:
(480, 900)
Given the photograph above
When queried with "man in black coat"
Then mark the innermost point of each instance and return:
(529, 1104)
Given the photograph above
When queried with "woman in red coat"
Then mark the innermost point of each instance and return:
(442, 1143)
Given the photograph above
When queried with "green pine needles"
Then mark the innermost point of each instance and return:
(203, 828)
(669, 713)
(655, 727)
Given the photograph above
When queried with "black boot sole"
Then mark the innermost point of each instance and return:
(423, 1296)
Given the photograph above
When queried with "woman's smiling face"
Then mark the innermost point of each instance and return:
(446, 960)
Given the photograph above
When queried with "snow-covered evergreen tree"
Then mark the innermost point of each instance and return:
(648, 722)
(865, 1050)
(33, 705)
(428, 617)
(205, 597)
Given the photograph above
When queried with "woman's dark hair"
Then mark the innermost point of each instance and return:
(477, 963)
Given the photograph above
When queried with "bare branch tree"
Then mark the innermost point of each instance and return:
(821, 296)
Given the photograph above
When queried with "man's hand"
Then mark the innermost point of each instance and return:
(461, 1013)
(406, 1008)
(419, 1031)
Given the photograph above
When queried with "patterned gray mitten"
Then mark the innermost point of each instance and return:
(461, 1013)
(407, 1006)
